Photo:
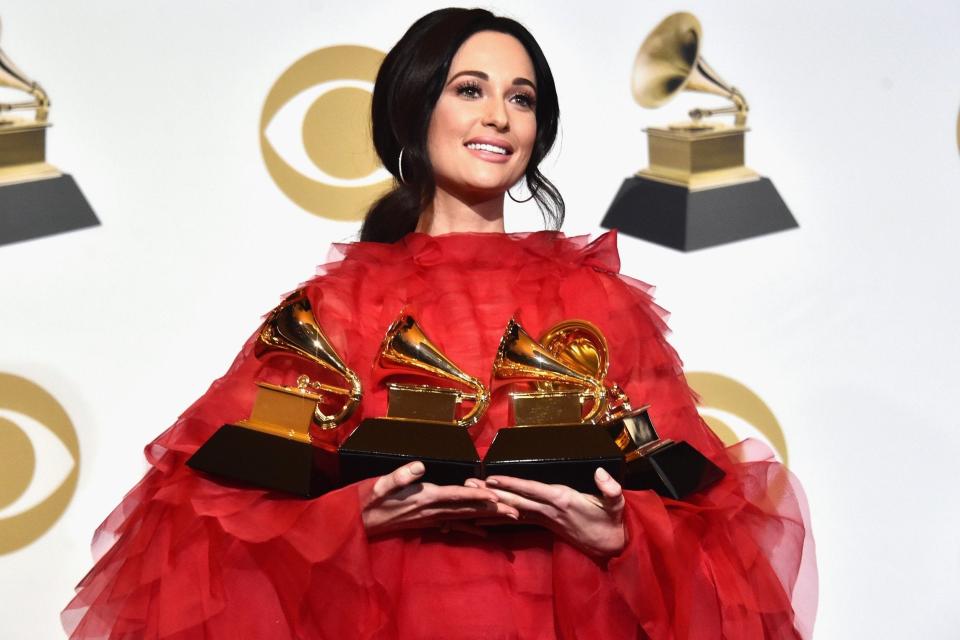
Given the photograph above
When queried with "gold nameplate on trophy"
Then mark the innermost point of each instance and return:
(282, 411)
(697, 158)
(422, 402)
(547, 407)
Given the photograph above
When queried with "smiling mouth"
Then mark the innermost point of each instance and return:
(492, 148)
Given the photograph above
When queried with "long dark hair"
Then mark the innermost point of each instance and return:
(408, 86)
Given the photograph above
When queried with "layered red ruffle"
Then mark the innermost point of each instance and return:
(187, 557)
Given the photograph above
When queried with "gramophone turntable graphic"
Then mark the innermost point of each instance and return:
(697, 192)
(36, 198)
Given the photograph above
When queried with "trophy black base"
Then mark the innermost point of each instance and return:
(564, 454)
(379, 445)
(265, 461)
(674, 470)
(676, 217)
(38, 208)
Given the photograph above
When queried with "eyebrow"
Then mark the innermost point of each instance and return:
(483, 76)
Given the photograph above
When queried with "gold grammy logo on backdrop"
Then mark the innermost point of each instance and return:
(315, 132)
(28, 410)
(723, 398)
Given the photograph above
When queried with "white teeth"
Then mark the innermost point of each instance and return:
(487, 147)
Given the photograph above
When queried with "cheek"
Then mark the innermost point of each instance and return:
(444, 130)
(527, 135)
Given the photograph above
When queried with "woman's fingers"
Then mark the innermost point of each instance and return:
(398, 478)
(393, 484)
(548, 493)
(524, 504)
(611, 492)
(467, 511)
(434, 493)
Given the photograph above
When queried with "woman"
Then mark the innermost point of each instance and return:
(464, 108)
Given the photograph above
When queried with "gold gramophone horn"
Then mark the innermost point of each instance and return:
(407, 349)
(12, 77)
(580, 345)
(669, 61)
(292, 327)
(521, 358)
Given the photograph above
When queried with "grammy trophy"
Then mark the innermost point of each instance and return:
(697, 192)
(274, 448)
(36, 198)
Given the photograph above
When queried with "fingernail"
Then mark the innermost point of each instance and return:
(602, 474)
(492, 481)
(472, 484)
(417, 468)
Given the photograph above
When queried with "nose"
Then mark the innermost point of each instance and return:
(496, 115)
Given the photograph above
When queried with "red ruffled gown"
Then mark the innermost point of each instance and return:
(189, 557)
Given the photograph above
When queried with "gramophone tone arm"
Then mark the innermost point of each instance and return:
(40, 102)
(740, 108)
(43, 102)
(353, 400)
(480, 402)
(17, 106)
(304, 382)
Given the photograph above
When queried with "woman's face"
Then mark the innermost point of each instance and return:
(484, 124)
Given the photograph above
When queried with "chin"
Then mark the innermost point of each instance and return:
(486, 183)
(485, 191)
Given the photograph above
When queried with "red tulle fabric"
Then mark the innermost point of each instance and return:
(187, 557)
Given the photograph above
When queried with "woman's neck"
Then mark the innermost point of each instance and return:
(449, 213)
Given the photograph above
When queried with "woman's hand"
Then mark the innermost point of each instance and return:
(595, 524)
(399, 500)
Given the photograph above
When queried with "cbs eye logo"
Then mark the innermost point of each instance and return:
(733, 411)
(40, 457)
(315, 132)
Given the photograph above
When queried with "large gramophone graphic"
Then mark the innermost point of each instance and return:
(697, 192)
(36, 198)
(426, 422)
(274, 448)
(575, 419)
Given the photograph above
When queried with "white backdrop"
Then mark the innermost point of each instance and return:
(844, 327)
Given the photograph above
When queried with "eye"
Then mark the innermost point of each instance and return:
(298, 130)
(469, 89)
(524, 99)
